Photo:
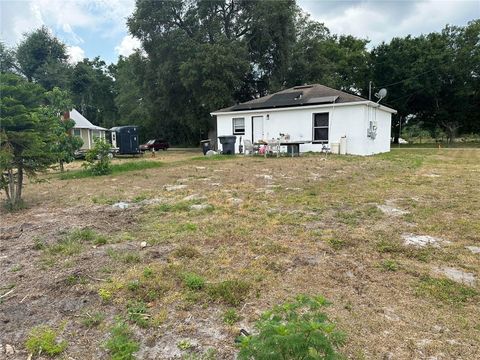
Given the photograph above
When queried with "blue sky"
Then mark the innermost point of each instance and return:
(98, 27)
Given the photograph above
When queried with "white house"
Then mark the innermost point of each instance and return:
(85, 129)
(314, 115)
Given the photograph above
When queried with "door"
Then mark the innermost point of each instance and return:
(257, 128)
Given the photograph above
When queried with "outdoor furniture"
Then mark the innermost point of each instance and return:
(273, 147)
(249, 148)
(293, 147)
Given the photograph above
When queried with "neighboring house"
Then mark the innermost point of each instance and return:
(85, 129)
(315, 114)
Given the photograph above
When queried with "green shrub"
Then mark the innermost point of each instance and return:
(120, 344)
(97, 160)
(43, 339)
(297, 330)
(194, 281)
(231, 292)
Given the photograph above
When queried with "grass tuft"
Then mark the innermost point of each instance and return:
(445, 290)
(43, 340)
(193, 281)
(231, 292)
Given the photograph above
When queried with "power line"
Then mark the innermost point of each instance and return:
(411, 77)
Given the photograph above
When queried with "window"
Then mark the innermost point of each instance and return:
(76, 132)
(95, 134)
(238, 126)
(320, 128)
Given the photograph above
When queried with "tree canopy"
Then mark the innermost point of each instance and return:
(198, 56)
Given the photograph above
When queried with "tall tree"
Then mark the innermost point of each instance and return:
(93, 91)
(40, 56)
(27, 133)
(7, 59)
(201, 53)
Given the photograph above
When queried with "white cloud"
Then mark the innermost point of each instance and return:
(75, 54)
(128, 46)
(106, 17)
(382, 20)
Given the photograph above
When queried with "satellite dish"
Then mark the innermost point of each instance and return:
(381, 94)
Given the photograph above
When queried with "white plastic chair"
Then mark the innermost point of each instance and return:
(273, 147)
(248, 146)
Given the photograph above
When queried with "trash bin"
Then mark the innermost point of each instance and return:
(228, 144)
(205, 145)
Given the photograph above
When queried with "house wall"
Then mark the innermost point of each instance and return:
(87, 137)
(351, 121)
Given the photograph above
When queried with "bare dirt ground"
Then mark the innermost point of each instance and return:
(336, 226)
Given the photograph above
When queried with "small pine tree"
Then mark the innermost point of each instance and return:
(27, 133)
(297, 330)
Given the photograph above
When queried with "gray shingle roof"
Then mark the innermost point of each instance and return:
(297, 96)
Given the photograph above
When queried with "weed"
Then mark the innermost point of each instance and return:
(120, 344)
(16, 268)
(230, 317)
(187, 227)
(133, 285)
(177, 207)
(85, 234)
(445, 290)
(140, 198)
(186, 251)
(147, 272)
(66, 246)
(105, 295)
(38, 243)
(337, 243)
(193, 281)
(43, 339)
(159, 318)
(389, 265)
(127, 257)
(93, 319)
(184, 345)
(72, 242)
(210, 354)
(298, 329)
(388, 246)
(75, 279)
(137, 312)
(100, 240)
(131, 258)
(231, 292)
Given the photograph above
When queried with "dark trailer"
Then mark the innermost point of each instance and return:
(125, 139)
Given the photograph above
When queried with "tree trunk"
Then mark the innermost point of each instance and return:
(14, 187)
(18, 199)
(62, 169)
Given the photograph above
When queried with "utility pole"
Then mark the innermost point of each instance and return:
(369, 90)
